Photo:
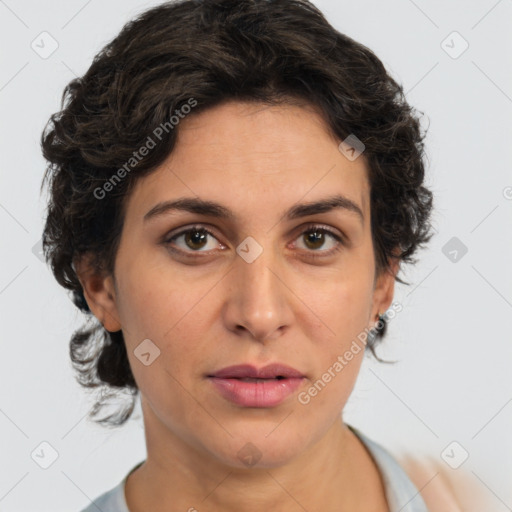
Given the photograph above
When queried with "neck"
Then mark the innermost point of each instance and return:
(335, 473)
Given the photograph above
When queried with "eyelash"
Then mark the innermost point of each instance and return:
(310, 229)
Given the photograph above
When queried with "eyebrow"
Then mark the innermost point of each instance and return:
(213, 209)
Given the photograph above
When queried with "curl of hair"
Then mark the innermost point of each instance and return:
(213, 51)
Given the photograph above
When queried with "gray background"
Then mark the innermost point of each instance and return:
(452, 339)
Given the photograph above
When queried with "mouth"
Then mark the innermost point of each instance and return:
(246, 371)
(249, 379)
(248, 386)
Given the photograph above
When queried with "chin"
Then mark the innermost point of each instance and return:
(254, 449)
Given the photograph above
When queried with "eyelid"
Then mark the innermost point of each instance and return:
(311, 226)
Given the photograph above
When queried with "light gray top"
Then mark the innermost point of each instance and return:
(401, 493)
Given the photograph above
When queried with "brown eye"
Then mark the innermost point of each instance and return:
(314, 239)
(317, 237)
(194, 239)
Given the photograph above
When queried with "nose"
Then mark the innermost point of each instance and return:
(258, 303)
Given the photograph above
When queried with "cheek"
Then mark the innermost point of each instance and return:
(344, 307)
(154, 303)
(155, 306)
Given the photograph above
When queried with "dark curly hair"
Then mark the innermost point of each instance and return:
(212, 51)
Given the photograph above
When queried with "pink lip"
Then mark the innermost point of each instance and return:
(268, 387)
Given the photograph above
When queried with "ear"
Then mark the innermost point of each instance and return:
(99, 292)
(384, 289)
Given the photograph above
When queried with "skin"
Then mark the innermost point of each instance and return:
(209, 313)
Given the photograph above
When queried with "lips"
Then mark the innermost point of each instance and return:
(246, 371)
(248, 386)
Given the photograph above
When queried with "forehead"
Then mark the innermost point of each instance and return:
(256, 158)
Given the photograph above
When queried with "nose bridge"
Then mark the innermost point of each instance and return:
(258, 301)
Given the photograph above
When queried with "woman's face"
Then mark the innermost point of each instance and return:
(271, 283)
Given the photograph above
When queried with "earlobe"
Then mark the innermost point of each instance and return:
(99, 292)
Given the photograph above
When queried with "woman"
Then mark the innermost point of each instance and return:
(233, 187)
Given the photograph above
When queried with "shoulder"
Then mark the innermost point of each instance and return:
(444, 489)
(401, 492)
(113, 500)
(110, 501)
